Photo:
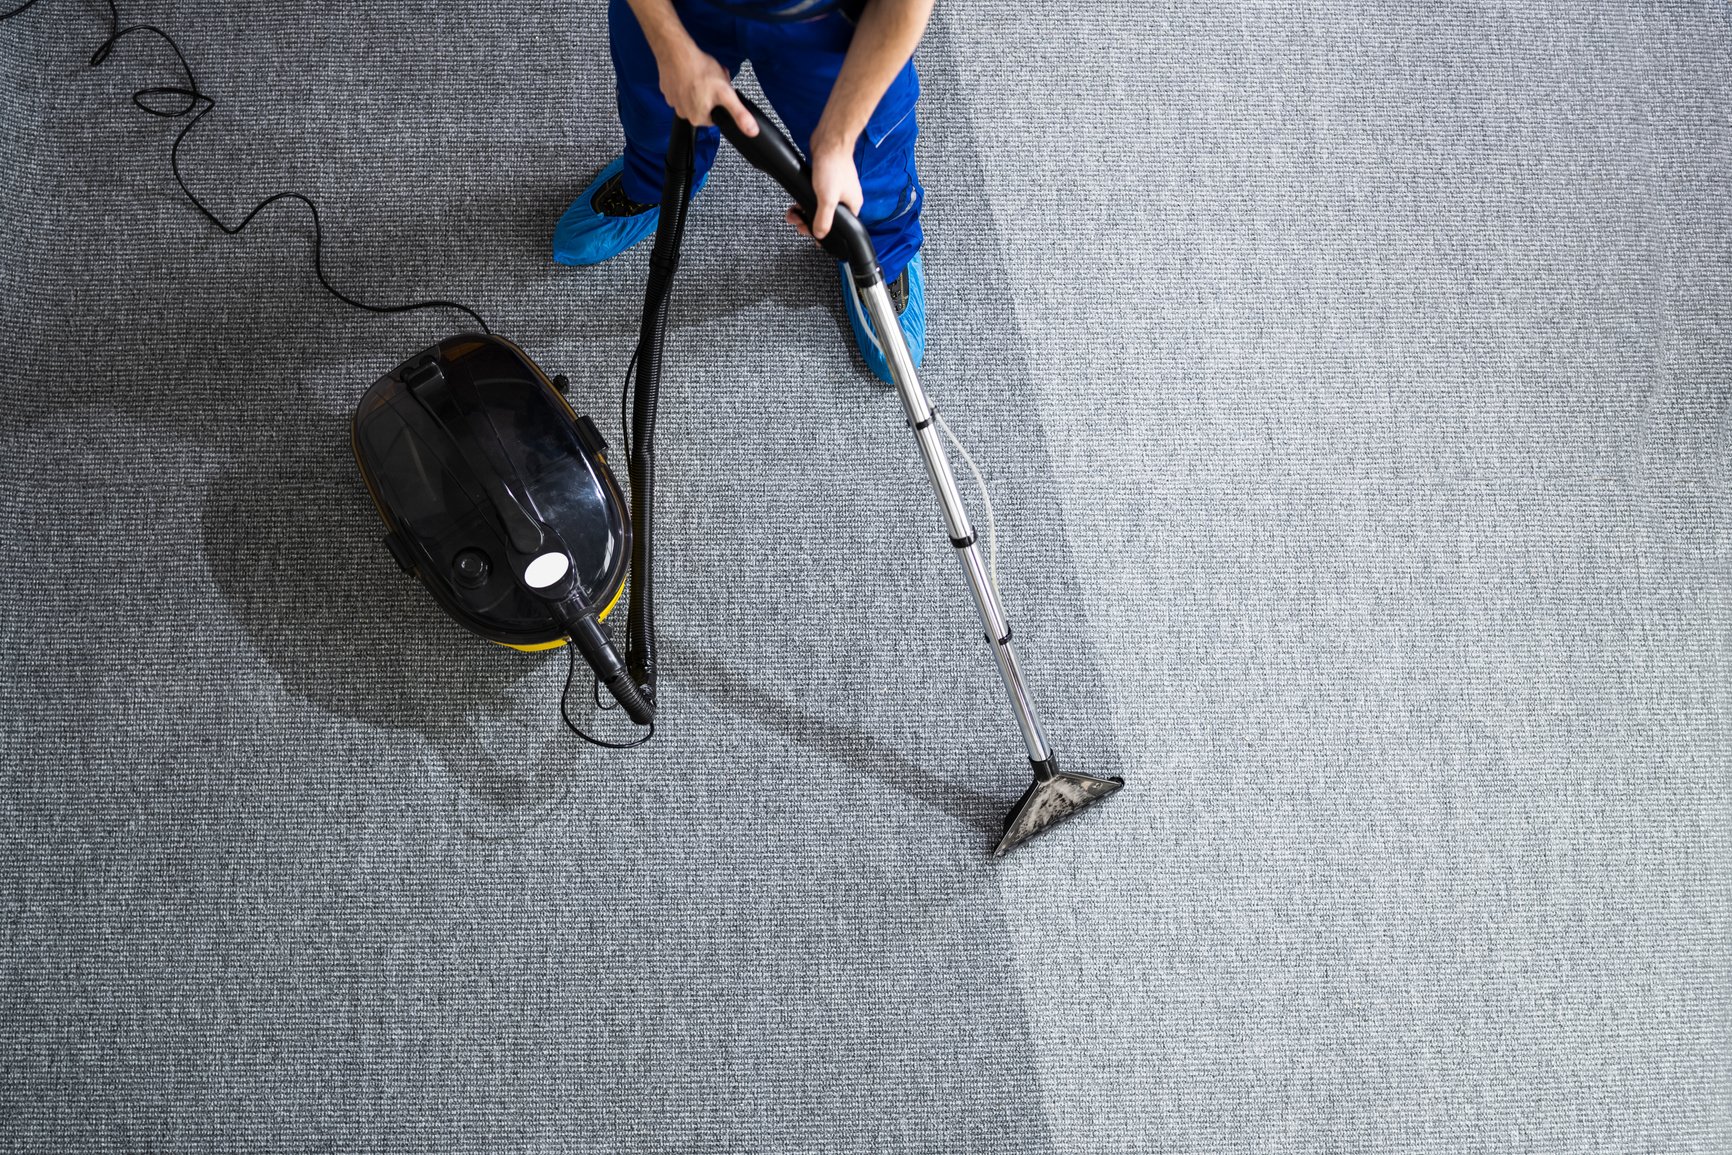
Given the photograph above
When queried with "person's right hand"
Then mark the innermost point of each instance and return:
(694, 82)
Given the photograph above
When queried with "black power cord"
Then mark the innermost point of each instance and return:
(174, 101)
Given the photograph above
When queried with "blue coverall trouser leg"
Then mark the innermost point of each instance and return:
(796, 65)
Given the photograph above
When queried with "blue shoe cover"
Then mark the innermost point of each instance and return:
(586, 237)
(913, 319)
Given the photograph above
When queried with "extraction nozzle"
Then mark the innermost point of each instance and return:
(1053, 796)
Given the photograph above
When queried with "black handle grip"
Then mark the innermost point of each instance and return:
(775, 154)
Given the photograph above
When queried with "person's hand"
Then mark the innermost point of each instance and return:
(835, 180)
(693, 83)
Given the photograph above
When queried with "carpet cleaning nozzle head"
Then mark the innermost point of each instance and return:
(1053, 796)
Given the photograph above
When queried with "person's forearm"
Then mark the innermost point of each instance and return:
(661, 27)
(884, 39)
(692, 82)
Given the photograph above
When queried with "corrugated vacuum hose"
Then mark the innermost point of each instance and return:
(640, 629)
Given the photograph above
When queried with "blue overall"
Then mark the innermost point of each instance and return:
(796, 63)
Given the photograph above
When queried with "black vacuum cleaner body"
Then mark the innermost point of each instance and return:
(497, 496)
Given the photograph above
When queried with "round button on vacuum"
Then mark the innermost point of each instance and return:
(470, 568)
(546, 569)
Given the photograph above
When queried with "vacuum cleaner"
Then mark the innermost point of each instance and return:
(498, 496)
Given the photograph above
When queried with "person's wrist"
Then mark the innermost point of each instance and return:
(833, 138)
(675, 51)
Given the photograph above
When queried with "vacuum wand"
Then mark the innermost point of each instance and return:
(1054, 794)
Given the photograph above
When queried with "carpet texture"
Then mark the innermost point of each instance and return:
(1352, 384)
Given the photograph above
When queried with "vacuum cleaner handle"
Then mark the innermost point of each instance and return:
(775, 154)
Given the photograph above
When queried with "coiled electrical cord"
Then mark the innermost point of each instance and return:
(174, 101)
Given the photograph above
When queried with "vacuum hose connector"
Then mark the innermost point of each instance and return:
(581, 624)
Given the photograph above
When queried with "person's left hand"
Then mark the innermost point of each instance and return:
(835, 180)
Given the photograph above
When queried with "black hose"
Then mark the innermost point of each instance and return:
(640, 654)
(583, 626)
(626, 693)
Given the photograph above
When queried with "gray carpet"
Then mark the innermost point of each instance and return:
(1352, 379)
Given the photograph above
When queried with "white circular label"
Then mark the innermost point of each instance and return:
(546, 569)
